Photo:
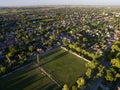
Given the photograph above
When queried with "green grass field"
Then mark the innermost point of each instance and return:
(30, 78)
(63, 67)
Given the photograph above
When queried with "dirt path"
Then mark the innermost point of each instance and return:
(49, 76)
(76, 54)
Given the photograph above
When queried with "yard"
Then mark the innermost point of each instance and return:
(61, 65)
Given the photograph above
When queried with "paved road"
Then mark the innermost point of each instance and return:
(97, 84)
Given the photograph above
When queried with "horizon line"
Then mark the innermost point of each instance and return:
(58, 5)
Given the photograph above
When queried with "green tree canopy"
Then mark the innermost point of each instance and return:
(74, 87)
(31, 48)
(65, 87)
(2, 70)
(92, 64)
(80, 82)
(115, 62)
(88, 72)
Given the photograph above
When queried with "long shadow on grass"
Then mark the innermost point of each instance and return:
(49, 86)
(58, 56)
(23, 83)
(55, 58)
(50, 53)
(53, 87)
(31, 68)
(42, 87)
(10, 82)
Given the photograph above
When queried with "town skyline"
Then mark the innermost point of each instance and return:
(56, 2)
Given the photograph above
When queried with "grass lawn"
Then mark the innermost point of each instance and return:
(64, 67)
(29, 78)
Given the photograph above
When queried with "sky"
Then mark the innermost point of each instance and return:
(57, 2)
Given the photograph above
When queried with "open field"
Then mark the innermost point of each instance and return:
(2, 12)
(64, 66)
(61, 65)
(31, 78)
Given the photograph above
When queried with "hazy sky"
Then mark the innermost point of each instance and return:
(57, 2)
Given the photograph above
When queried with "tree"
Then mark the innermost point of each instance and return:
(74, 87)
(74, 46)
(52, 37)
(80, 82)
(85, 39)
(116, 47)
(115, 50)
(11, 52)
(31, 48)
(92, 64)
(78, 49)
(2, 70)
(88, 72)
(118, 55)
(65, 87)
(38, 59)
(98, 56)
(109, 76)
(70, 46)
(115, 63)
(2, 38)
(100, 71)
(65, 41)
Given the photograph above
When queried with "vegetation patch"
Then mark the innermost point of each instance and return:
(61, 65)
(64, 66)
(28, 78)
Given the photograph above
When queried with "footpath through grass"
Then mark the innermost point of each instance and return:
(61, 65)
(29, 78)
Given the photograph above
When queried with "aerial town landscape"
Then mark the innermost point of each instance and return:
(60, 48)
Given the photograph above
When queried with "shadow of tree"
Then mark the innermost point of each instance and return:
(55, 58)
(49, 86)
(52, 87)
(50, 53)
(24, 83)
